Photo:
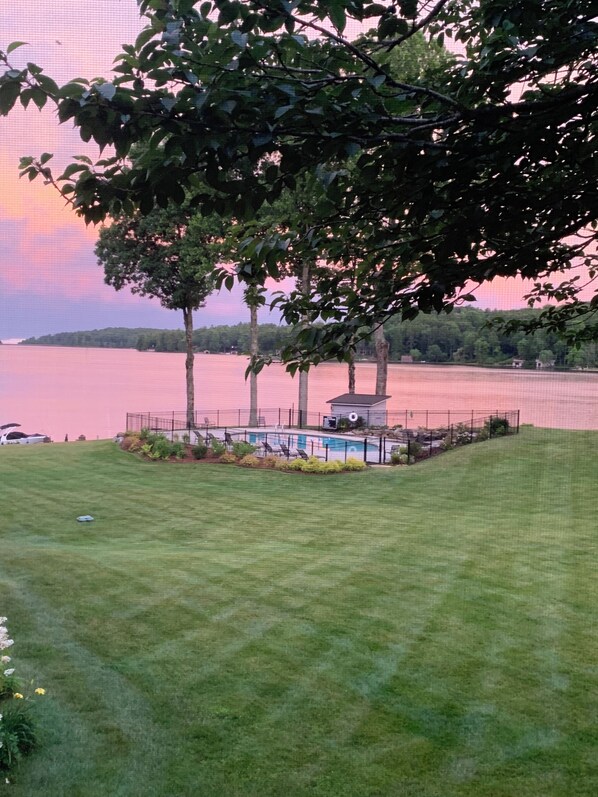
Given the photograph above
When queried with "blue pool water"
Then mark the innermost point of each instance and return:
(314, 443)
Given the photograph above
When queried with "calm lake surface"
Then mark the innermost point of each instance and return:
(58, 391)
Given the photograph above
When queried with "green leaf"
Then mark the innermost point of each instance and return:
(71, 169)
(8, 96)
(337, 15)
(13, 46)
(48, 85)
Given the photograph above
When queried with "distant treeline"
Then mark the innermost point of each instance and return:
(463, 336)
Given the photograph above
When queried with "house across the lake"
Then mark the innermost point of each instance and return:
(372, 408)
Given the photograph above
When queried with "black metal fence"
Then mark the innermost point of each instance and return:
(398, 444)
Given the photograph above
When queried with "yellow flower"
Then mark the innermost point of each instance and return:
(40, 691)
(18, 696)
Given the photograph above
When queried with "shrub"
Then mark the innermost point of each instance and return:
(135, 445)
(497, 427)
(271, 461)
(161, 448)
(128, 440)
(240, 448)
(249, 461)
(186, 438)
(395, 457)
(199, 451)
(354, 464)
(18, 734)
(218, 448)
(414, 449)
(178, 450)
(283, 464)
(332, 466)
(227, 457)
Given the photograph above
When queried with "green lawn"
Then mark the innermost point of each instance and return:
(420, 632)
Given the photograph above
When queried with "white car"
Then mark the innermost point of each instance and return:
(9, 436)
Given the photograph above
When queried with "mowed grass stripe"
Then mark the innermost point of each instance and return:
(411, 631)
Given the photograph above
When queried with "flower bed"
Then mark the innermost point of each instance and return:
(157, 447)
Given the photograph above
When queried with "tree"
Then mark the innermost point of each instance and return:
(486, 170)
(254, 298)
(169, 254)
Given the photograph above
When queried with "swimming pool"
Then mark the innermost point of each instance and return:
(315, 444)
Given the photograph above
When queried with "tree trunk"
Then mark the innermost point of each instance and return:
(303, 375)
(382, 347)
(253, 351)
(352, 373)
(188, 319)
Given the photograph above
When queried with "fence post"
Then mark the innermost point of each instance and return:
(518, 411)
(172, 426)
(409, 451)
(381, 444)
(365, 450)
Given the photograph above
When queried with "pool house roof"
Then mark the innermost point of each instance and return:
(358, 399)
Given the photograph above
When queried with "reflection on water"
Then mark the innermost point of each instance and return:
(59, 391)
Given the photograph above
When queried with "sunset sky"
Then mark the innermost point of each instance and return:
(49, 278)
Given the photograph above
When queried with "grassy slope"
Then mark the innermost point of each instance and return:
(424, 632)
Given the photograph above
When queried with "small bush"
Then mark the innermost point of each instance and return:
(227, 458)
(161, 448)
(130, 439)
(395, 457)
(283, 464)
(178, 450)
(135, 445)
(249, 461)
(199, 451)
(18, 733)
(354, 464)
(240, 448)
(218, 448)
(332, 466)
(270, 461)
(497, 427)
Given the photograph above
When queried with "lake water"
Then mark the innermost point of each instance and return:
(59, 391)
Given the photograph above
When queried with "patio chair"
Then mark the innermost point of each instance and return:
(285, 450)
(304, 455)
(269, 451)
(228, 439)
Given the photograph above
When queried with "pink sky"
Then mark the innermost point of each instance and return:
(49, 277)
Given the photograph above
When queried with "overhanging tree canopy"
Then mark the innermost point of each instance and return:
(488, 169)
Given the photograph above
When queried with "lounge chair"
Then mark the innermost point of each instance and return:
(304, 455)
(269, 451)
(228, 439)
(285, 450)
